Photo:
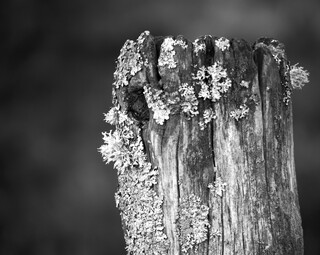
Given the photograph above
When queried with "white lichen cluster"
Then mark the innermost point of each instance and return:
(198, 46)
(140, 206)
(298, 76)
(129, 63)
(142, 37)
(222, 43)
(112, 117)
(208, 116)
(189, 102)
(240, 113)
(181, 43)
(213, 80)
(167, 53)
(157, 102)
(218, 187)
(193, 223)
(244, 84)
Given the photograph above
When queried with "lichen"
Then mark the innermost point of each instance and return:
(244, 84)
(285, 81)
(167, 53)
(142, 37)
(157, 102)
(140, 206)
(208, 116)
(193, 223)
(213, 80)
(181, 43)
(189, 102)
(112, 116)
(298, 76)
(222, 43)
(218, 187)
(240, 113)
(129, 63)
(198, 46)
(215, 233)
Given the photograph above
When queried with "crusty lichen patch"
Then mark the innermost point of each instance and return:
(189, 103)
(244, 84)
(222, 43)
(161, 103)
(181, 43)
(140, 206)
(129, 63)
(240, 113)
(218, 187)
(208, 116)
(193, 222)
(285, 81)
(198, 46)
(214, 81)
(157, 102)
(167, 53)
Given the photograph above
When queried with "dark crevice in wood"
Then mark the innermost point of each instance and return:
(222, 228)
(243, 242)
(208, 234)
(212, 150)
(177, 163)
(137, 104)
(158, 41)
(260, 55)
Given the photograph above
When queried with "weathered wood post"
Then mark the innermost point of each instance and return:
(203, 147)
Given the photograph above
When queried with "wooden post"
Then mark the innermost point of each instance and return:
(204, 147)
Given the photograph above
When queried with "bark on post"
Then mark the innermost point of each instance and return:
(204, 147)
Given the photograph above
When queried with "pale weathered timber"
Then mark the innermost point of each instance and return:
(227, 182)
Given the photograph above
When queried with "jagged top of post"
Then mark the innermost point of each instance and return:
(151, 74)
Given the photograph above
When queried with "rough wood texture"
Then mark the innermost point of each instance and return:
(228, 186)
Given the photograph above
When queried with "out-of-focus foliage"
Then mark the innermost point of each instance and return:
(57, 64)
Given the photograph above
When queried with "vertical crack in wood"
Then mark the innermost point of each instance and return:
(222, 228)
(259, 57)
(177, 162)
(213, 180)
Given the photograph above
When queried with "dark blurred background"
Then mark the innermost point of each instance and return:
(57, 63)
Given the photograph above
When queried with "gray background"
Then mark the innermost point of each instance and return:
(57, 63)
